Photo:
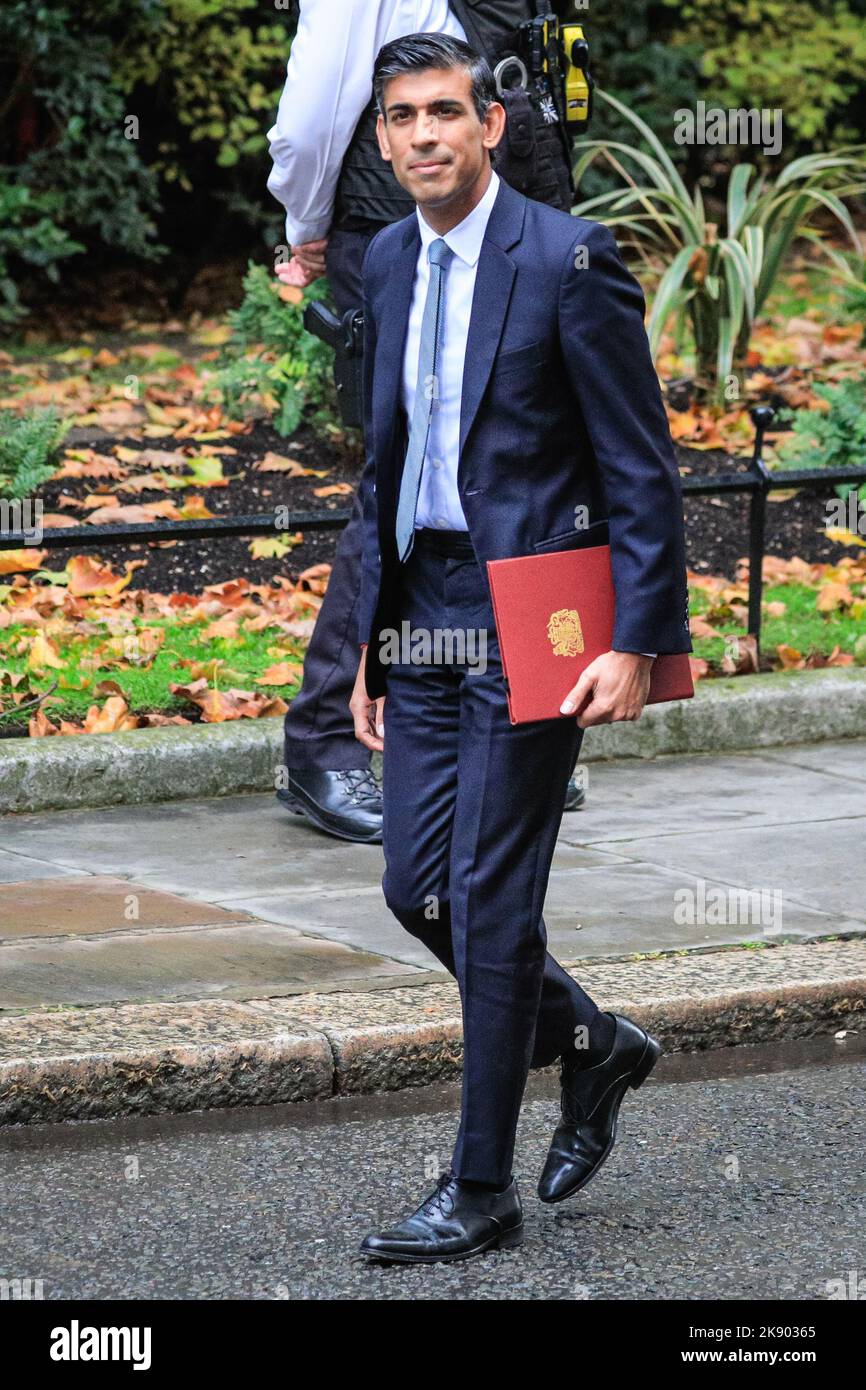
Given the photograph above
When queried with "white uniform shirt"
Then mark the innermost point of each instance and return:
(329, 81)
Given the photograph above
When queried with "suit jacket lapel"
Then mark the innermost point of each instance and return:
(391, 341)
(493, 285)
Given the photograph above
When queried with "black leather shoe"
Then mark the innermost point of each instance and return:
(575, 795)
(591, 1097)
(345, 804)
(453, 1223)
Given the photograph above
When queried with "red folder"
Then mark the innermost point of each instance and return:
(554, 615)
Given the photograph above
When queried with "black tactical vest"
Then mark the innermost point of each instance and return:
(534, 155)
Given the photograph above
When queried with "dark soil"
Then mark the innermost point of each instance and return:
(187, 566)
(717, 528)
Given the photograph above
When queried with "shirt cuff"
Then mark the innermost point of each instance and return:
(299, 233)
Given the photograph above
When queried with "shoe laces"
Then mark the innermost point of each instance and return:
(361, 785)
(443, 1181)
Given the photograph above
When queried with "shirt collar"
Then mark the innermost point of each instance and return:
(466, 239)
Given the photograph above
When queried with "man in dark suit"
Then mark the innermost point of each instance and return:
(338, 192)
(509, 391)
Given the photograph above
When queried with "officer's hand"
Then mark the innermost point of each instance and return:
(307, 264)
(613, 687)
(368, 715)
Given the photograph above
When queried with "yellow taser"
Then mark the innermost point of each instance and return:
(578, 82)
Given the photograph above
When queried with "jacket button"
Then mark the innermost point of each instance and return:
(374, 487)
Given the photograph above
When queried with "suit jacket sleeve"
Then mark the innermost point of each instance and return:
(610, 369)
(370, 561)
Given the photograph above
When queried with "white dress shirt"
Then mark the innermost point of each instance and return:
(329, 81)
(438, 498)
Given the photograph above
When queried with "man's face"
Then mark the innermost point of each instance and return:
(432, 135)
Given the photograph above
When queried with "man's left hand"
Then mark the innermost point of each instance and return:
(613, 687)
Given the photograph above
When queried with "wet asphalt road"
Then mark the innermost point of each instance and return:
(736, 1175)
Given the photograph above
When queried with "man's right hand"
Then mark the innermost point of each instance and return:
(307, 264)
(367, 714)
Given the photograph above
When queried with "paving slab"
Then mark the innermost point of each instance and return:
(612, 906)
(840, 758)
(231, 962)
(217, 850)
(654, 833)
(15, 868)
(360, 918)
(357, 917)
(751, 789)
(816, 866)
(88, 904)
(643, 906)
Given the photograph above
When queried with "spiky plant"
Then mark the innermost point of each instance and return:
(718, 278)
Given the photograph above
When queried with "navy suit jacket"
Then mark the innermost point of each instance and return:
(561, 410)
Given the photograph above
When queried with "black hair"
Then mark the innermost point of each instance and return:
(418, 52)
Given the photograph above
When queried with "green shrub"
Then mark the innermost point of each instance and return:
(718, 277)
(850, 274)
(29, 236)
(854, 305)
(63, 120)
(809, 59)
(206, 81)
(633, 57)
(832, 438)
(28, 451)
(216, 75)
(271, 353)
(145, 121)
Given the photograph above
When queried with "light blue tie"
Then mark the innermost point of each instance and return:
(426, 393)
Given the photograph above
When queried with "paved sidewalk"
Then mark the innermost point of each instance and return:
(201, 924)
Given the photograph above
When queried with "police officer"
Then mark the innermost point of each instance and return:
(338, 192)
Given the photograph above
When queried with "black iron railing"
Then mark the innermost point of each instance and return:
(759, 481)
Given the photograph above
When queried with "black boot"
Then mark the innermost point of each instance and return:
(591, 1097)
(453, 1223)
(346, 804)
(575, 795)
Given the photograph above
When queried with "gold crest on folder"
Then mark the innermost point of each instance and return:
(565, 632)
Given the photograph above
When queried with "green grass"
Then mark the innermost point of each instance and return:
(146, 687)
(789, 298)
(801, 626)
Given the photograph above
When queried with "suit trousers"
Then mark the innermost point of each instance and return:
(319, 732)
(472, 806)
